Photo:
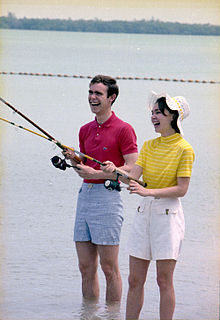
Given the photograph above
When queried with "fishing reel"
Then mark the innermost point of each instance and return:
(60, 163)
(113, 184)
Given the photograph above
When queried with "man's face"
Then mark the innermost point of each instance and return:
(98, 100)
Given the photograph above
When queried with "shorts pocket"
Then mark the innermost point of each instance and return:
(167, 207)
(141, 207)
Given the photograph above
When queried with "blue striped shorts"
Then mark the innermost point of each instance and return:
(99, 215)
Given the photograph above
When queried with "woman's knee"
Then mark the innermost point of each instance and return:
(137, 272)
(164, 281)
(135, 281)
(165, 270)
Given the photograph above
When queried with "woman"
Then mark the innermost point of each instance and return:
(158, 229)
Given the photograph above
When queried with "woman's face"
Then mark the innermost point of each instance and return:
(161, 122)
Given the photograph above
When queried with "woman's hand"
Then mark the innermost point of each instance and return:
(136, 188)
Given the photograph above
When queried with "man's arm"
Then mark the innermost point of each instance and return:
(87, 172)
(130, 160)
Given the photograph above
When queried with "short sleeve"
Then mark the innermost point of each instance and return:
(186, 163)
(128, 140)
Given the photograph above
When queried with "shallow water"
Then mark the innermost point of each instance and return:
(40, 278)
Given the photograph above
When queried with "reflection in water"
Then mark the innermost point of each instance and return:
(91, 309)
(113, 311)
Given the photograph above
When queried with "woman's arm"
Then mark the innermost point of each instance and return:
(170, 192)
(134, 172)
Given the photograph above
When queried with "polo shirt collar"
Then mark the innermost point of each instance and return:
(107, 123)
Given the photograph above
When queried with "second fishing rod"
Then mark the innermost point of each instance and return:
(58, 162)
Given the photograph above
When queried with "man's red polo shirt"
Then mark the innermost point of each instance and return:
(108, 141)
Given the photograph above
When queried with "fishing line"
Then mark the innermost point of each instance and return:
(48, 137)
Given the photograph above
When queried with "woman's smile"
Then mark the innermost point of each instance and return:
(162, 122)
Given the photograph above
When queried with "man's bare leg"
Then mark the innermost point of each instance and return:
(88, 264)
(109, 263)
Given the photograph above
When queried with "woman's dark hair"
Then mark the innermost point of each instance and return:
(162, 105)
(109, 82)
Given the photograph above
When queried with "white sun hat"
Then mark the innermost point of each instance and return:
(176, 103)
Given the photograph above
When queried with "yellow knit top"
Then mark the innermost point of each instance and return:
(164, 159)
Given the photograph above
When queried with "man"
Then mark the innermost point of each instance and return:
(99, 214)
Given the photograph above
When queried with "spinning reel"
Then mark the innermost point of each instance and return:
(113, 184)
(61, 163)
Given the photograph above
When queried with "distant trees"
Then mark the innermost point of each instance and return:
(115, 26)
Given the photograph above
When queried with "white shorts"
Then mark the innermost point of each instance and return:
(158, 229)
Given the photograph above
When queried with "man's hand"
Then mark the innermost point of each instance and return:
(68, 154)
(86, 172)
(108, 167)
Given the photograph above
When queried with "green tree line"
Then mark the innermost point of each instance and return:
(115, 26)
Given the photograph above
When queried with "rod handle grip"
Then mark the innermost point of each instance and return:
(123, 174)
(63, 147)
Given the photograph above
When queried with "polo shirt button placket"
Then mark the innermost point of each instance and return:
(97, 134)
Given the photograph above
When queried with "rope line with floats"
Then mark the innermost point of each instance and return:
(117, 77)
(61, 163)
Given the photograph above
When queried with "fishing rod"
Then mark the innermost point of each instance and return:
(61, 163)
(52, 140)
(60, 145)
(56, 160)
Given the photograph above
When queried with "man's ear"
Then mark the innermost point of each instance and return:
(112, 97)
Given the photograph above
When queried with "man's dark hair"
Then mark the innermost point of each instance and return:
(107, 81)
(162, 105)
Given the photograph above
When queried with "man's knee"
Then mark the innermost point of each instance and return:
(110, 268)
(87, 268)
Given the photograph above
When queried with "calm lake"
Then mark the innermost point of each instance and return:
(39, 269)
